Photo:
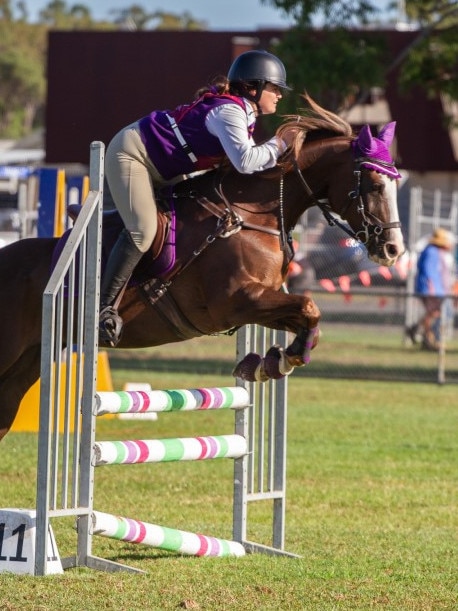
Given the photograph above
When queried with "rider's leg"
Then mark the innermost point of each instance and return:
(121, 263)
(130, 177)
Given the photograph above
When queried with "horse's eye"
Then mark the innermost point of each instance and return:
(378, 187)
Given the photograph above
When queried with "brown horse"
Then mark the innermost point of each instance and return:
(232, 254)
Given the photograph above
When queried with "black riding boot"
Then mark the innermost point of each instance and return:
(120, 265)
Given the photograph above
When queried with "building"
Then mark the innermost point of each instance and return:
(99, 81)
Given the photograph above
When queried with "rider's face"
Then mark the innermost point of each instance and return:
(270, 96)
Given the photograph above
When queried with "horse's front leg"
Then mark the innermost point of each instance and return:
(299, 314)
(298, 352)
(278, 361)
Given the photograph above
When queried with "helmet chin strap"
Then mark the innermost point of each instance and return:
(255, 98)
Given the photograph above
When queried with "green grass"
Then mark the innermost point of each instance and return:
(371, 489)
(351, 350)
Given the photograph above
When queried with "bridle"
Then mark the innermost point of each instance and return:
(372, 225)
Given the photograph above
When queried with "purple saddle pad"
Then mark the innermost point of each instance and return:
(148, 267)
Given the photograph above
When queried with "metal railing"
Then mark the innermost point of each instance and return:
(70, 316)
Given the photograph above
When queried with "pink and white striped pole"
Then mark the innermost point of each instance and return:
(170, 539)
(166, 450)
(138, 401)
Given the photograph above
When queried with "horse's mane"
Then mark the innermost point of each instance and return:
(313, 118)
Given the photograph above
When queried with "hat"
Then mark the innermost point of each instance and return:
(441, 238)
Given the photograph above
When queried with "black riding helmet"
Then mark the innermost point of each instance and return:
(253, 69)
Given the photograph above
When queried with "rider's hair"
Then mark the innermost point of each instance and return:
(243, 89)
(218, 85)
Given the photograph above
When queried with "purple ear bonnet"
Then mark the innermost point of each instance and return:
(375, 152)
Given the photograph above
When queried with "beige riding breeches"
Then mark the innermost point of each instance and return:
(131, 178)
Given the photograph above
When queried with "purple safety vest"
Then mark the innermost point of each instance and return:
(177, 141)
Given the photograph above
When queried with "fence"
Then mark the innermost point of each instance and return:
(363, 337)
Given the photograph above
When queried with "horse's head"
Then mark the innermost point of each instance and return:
(372, 209)
(354, 177)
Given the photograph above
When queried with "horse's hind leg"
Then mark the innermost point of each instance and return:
(14, 383)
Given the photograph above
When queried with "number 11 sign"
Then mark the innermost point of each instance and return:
(17, 543)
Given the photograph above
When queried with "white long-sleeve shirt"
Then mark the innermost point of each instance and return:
(229, 123)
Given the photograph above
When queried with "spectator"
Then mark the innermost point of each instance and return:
(434, 281)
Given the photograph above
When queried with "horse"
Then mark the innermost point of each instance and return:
(233, 245)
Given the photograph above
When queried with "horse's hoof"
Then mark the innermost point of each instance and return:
(271, 363)
(247, 368)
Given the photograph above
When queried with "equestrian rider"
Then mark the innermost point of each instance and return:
(165, 146)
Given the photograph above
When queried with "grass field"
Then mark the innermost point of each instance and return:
(349, 350)
(371, 489)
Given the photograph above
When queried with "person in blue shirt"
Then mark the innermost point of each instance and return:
(433, 282)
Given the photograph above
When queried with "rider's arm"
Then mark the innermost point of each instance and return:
(229, 123)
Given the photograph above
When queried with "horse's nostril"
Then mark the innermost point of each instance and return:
(391, 250)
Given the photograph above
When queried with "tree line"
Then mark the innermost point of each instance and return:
(352, 61)
(23, 48)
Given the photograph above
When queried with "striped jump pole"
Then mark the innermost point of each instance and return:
(167, 450)
(138, 401)
(170, 539)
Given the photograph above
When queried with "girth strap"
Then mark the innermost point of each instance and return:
(219, 213)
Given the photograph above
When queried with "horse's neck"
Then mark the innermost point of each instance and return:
(319, 163)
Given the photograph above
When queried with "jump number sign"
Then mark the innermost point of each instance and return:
(19, 531)
(17, 543)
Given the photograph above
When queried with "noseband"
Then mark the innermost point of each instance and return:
(372, 226)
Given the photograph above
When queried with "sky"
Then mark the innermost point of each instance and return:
(219, 14)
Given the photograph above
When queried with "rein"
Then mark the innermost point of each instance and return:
(330, 218)
(228, 223)
(283, 235)
(233, 221)
(369, 219)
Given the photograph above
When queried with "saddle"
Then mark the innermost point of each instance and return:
(155, 263)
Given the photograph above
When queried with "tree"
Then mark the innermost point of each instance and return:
(23, 52)
(334, 67)
(134, 17)
(57, 14)
(185, 21)
(22, 78)
(432, 61)
(328, 12)
(333, 70)
(137, 18)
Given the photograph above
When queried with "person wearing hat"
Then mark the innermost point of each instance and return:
(166, 146)
(433, 282)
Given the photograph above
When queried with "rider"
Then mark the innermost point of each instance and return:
(165, 146)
